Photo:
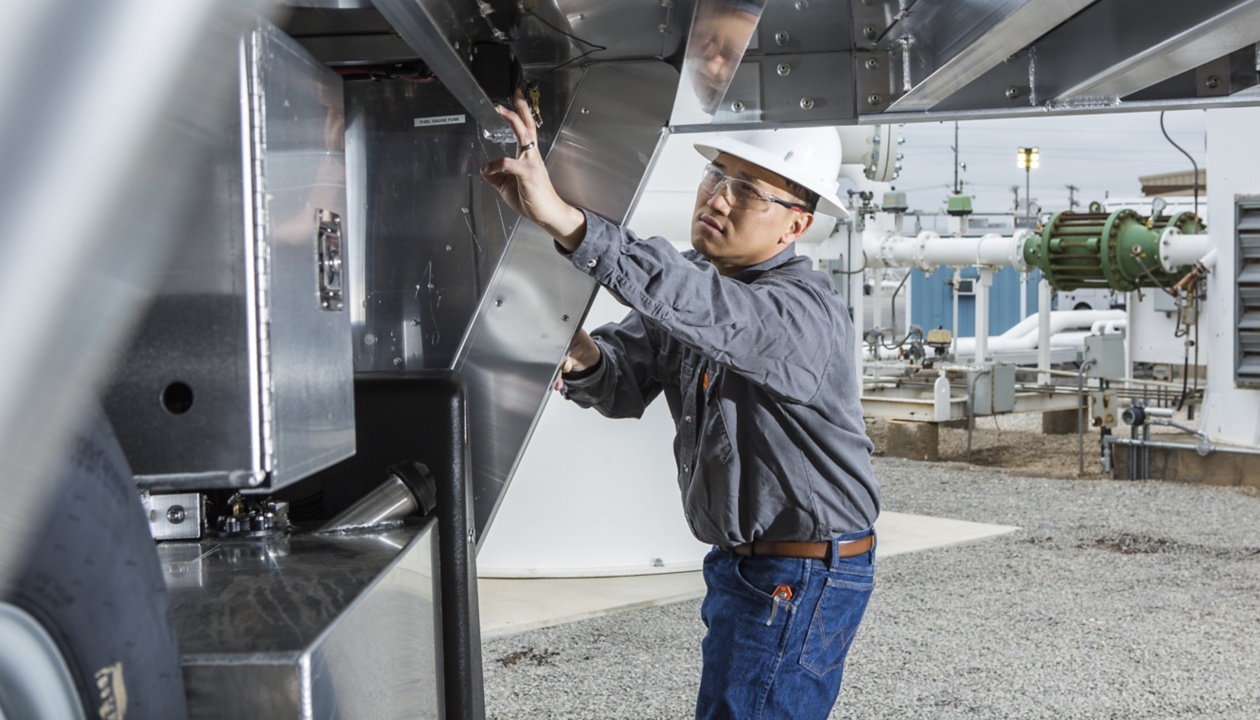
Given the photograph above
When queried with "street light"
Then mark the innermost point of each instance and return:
(1027, 159)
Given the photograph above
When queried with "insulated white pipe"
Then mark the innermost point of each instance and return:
(927, 251)
(982, 313)
(1043, 325)
(1176, 250)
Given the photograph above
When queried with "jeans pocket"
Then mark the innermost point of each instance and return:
(834, 621)
(762, 574)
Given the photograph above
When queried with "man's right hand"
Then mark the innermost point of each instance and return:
(525, 185)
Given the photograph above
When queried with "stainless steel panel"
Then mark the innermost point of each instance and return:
(1190, 46)
(239, 377)
(536, 300)
(950, 44)
(306, 362)
(310, 626)
(443, 33)
(1084, 49)
(174, 516)
(719, 35)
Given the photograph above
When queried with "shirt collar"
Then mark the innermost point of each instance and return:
(749, 274)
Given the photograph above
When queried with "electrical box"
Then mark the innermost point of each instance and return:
(241, 374)
(992, 391)
(1107, 354)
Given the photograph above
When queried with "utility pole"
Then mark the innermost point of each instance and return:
(957, 189)
(1072, 203)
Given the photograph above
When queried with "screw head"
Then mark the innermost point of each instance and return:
(175, 514)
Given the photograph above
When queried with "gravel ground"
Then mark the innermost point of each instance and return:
(1115, 600)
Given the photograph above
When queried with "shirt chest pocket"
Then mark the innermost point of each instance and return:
(715, 436)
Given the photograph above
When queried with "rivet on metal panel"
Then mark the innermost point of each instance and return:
(585, 111)
(784, 69)
(564, 318)
(869, 32)
(874, 99)
(1212, 82)
(737, 106)
(802, 4)
(872, 64)
(663, 27)
(498, 303)
(807, 103)
(1012, 92)
(781, 38)
(472, 535)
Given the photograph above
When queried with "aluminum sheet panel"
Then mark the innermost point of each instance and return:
(240, 376)
(536, 300)
(309, 626)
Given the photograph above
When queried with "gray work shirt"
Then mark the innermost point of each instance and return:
(759, 374)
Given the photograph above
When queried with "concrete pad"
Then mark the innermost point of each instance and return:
(512, 606)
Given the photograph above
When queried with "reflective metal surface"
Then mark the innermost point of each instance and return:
(391, 501)
(536, 300)
(719, 34)
(443, 33)
(103, 170)
(239, 375)
(317, 626)
(951, 44)
(1193, 41)
(35, 681)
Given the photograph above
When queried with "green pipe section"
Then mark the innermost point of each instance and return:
(1119, 251)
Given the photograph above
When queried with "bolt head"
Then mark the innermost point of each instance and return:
(176, 514)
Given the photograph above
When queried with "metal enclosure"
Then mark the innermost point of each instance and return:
(992, 392)
(310, 626)
(240, 375)
(1247, 291)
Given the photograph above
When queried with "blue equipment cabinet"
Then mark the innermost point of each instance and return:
(932, 300)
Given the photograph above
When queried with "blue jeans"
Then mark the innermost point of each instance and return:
(770, 659)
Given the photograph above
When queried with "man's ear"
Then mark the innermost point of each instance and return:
(801, 221)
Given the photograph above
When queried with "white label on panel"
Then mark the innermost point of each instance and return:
(440, 120)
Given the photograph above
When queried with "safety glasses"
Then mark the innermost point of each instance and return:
(741, 194)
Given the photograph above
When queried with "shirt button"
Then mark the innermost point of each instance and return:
(686, 468)
(687, 419)
(592, 263)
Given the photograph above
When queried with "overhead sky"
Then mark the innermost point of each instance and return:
(1099, 154)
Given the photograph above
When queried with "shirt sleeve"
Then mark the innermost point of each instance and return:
(627, 380)
(777, 332)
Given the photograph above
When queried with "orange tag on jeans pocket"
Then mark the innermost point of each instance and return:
(783, 593)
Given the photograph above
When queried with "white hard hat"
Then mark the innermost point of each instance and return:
(809, 157)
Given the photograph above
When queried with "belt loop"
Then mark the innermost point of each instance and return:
(834, 564)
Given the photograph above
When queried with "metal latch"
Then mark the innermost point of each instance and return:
(328, 254)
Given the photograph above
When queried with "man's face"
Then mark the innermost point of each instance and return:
(737, 238)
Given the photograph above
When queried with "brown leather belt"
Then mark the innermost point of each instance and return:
(814, 550)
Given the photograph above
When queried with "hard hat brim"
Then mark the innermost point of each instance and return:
(828, 202)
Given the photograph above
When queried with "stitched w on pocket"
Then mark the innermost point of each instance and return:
(832, 624)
